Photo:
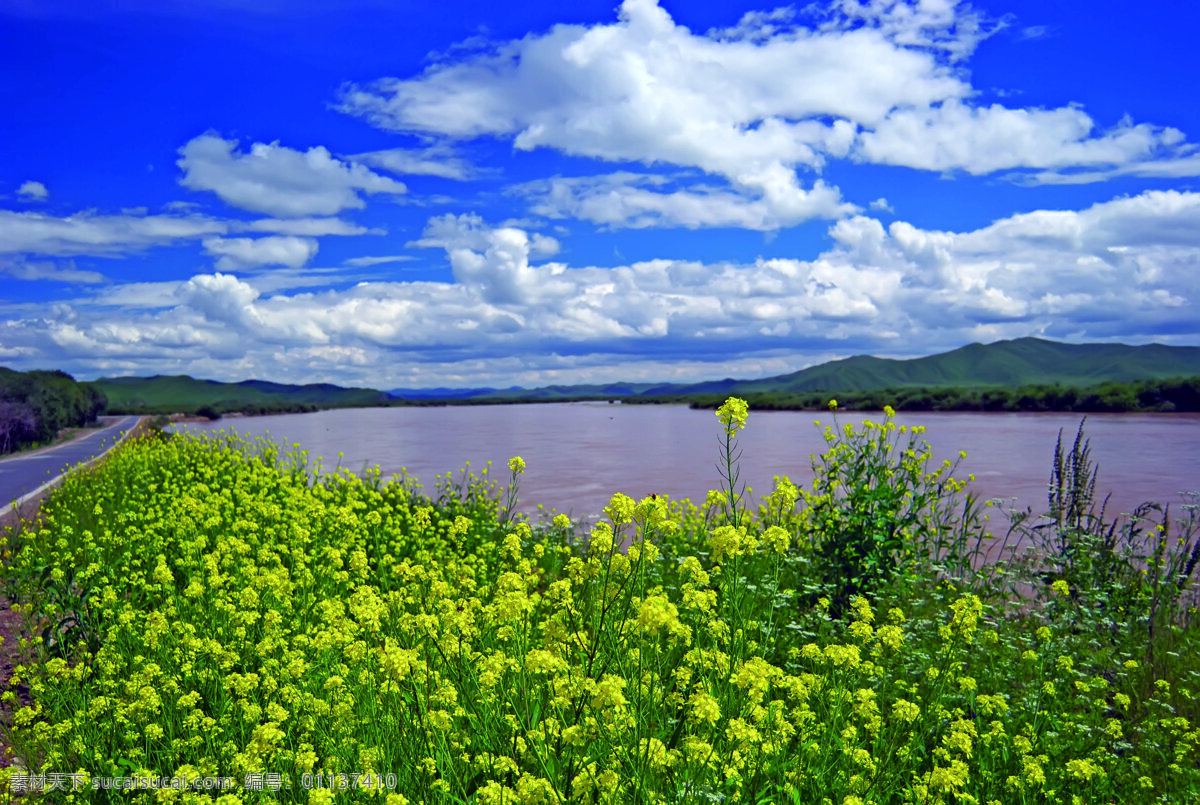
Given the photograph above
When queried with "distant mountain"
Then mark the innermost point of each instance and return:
(439, 393)
(1023, 361)
(604, 390)
(170, 393)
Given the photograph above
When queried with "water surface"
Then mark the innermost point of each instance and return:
(578, 454)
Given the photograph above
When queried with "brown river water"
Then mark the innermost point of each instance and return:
(579, 454)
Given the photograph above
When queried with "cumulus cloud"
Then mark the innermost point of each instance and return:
(493, 261)
(757, 105)
(1124, 269)
(235, 254)
(277, 180)
(646, 90)
(221, 298)
(33, 191)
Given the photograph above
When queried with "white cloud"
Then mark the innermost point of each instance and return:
(945, 26)
(221, 298)
(32, 270)
(308, 227)
(136, 295)
(361, 262)
(1127, 269)
(646, 90)
(439, 161)
(626, 200)
(89, 233)
(871, 80)
(1036, 32)
(494, 262)
(103, 235)
(236, 254)
(1171, 168)
(277, 180)
(981, 140)
(33, 191)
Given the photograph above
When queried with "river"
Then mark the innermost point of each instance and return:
(578, 454)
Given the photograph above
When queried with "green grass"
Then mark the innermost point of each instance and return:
(198, 605)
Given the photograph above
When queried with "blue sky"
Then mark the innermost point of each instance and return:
(408, 194)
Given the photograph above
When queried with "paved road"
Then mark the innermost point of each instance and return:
(21, 474)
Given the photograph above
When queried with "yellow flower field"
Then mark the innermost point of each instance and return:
(202, 608)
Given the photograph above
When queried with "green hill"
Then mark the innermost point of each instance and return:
(171, 393)
(1023, 361)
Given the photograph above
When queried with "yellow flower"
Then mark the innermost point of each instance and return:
(890, 636)
(1061, 587)
(726, 542)
(833, 405)
(655, 753)
(733, 414)
(460, 526)
(1082, 769)
(705, 708)
(656, 614)
(602, 538)
(862, 609)
(620, 509)
(516, 464)
(776, 539)
(906, 711)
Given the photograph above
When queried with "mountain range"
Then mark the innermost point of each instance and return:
(1019, 362)
(1023, 361)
